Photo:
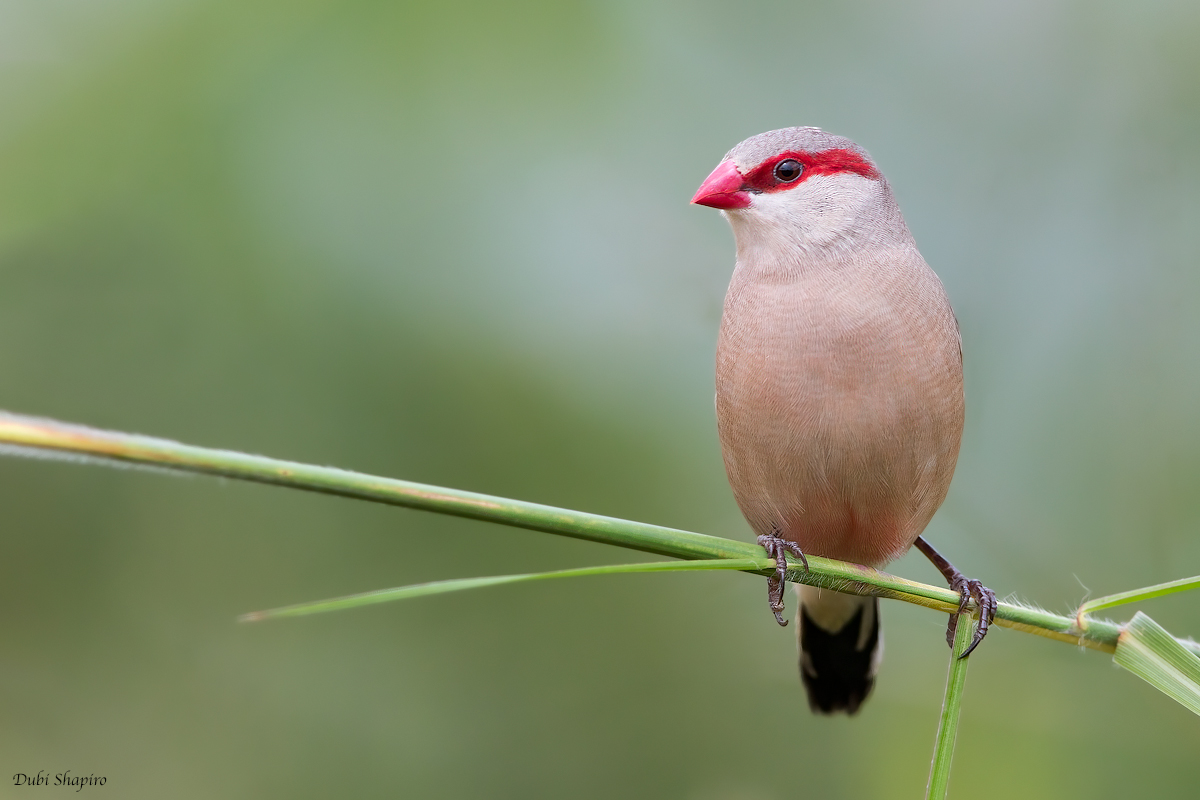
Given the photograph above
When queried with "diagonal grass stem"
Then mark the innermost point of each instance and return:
(1147, 593)
(956, 681)
(24, 436)
(462, 584)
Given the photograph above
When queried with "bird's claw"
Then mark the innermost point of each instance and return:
(778, 548)
(985, 599)
(968, 589)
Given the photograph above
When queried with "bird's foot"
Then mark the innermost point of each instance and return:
(968, 589)
(985, 599)
(778, 548)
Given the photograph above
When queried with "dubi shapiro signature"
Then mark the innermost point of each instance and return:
(44, 778)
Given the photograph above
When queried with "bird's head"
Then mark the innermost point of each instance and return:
(802, 191)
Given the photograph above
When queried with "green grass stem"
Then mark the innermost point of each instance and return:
(35, 436)
(1147, 593)
(956, 680)
(462, 584)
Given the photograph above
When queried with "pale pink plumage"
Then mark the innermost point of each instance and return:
(839, 369)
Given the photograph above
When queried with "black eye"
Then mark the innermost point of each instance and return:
(788, 170)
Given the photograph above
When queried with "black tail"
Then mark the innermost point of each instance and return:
(838, 667)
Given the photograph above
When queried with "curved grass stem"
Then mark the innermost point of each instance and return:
(463, 584)
(23, 435)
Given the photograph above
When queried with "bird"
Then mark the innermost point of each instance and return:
(839, 388)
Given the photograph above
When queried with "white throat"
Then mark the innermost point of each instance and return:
(829, 217)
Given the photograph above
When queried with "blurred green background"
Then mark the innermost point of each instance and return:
(451, 243)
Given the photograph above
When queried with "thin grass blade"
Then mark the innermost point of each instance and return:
(1146, 593)
(462, 584)
(25, 436)
(956, 681)
(1148, 651)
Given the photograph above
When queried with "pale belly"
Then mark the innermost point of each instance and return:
(840, 429)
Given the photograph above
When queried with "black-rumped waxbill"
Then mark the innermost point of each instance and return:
(839, 386)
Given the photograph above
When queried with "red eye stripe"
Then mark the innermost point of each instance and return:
(827, 162)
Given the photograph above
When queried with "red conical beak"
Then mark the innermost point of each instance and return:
(723, 189)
